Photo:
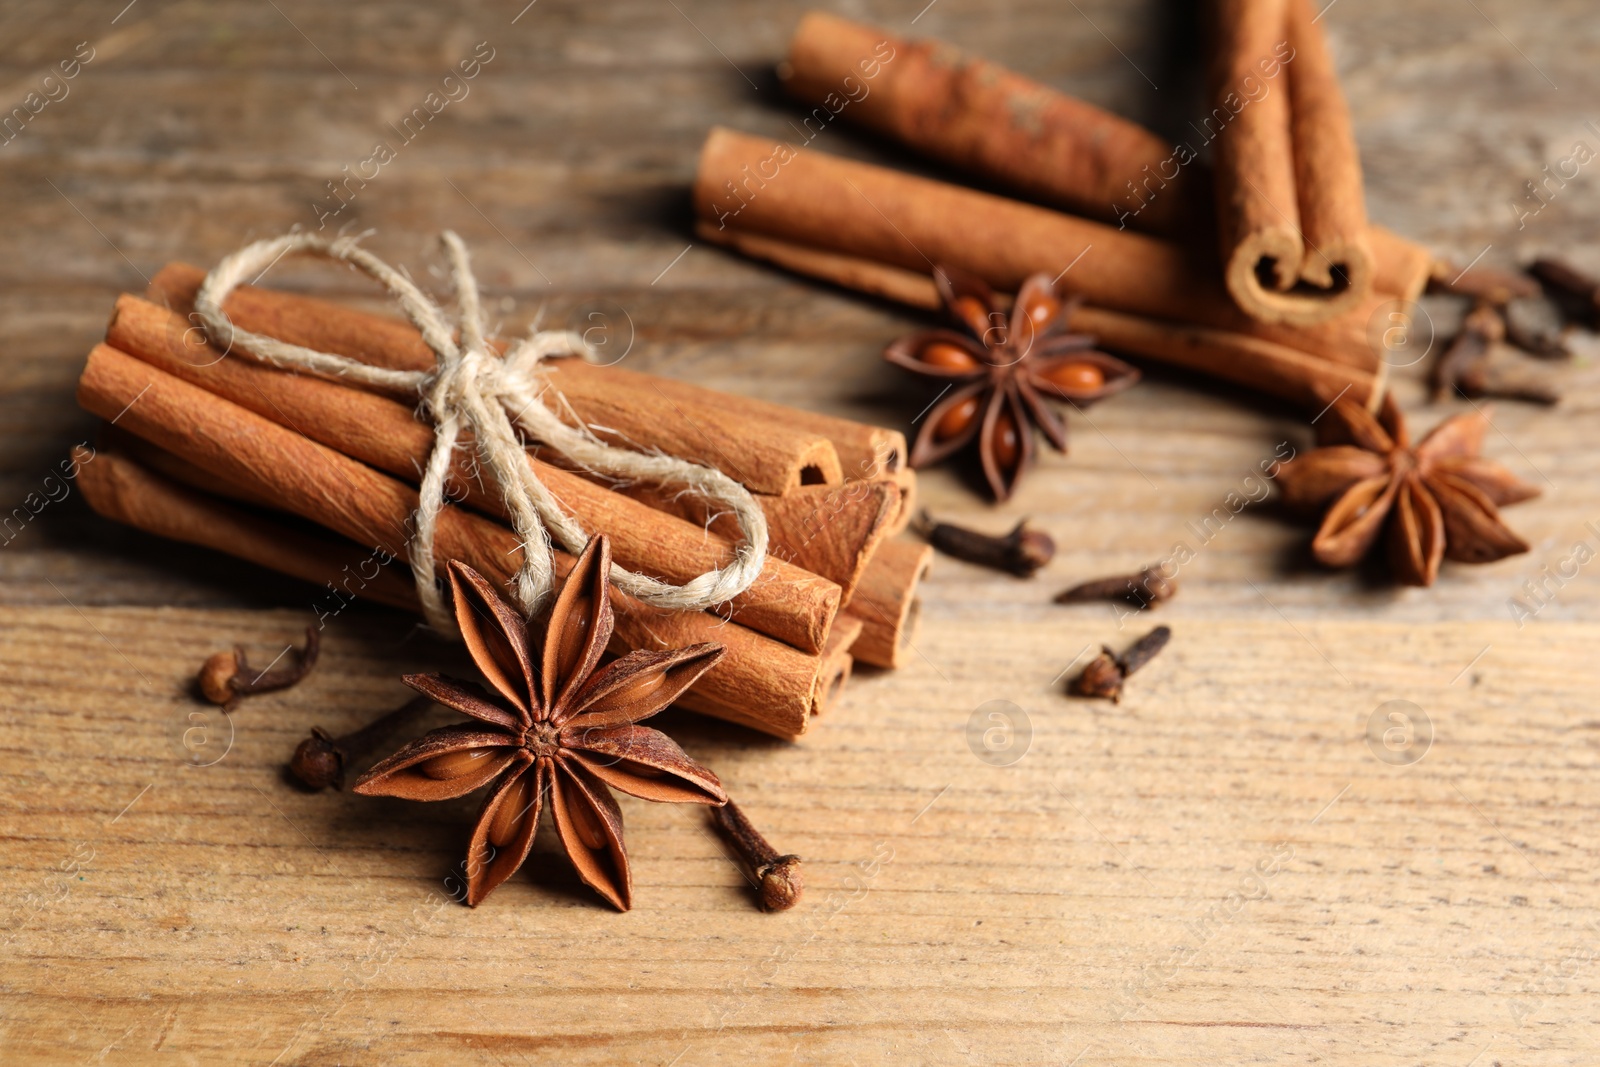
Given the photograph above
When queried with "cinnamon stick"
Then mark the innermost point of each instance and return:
(1327, 168)
(863, 450)
(620, 406)
(805, 197)
(886, 602)
(1290, 215)
(982, 118)
(389, 342)
(830, 530)
(786, 602)
(761, 682)
(1037, 142)
(1252, 362)
(126, 491)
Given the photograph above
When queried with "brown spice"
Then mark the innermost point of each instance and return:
(320, 760)
(1482, 328)
(1106, 673)
(1483, 284)
(1576, 292)
(227, 676)
(1437, 499)
(551, 726)
(1021, 552)
(777, 877)
(999, 370)
(1150, 586)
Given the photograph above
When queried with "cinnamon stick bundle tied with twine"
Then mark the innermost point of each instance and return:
(474, 391)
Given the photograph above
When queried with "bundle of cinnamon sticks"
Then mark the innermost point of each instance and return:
(1121, 217)
(318, 479)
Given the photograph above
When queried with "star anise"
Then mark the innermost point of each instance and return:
(554, 727)
(999, 370)
(1439, 499)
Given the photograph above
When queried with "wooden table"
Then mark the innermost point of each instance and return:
(1221, 869)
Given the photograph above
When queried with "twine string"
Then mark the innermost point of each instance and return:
(498, 401)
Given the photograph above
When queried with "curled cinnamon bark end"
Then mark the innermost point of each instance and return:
(1106, 673)
(777, 878)
(1021, 552)
(227, 676)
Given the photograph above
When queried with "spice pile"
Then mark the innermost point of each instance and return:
(318, 479)
(1261, 269)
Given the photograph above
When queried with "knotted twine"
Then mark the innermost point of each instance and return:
(471, 389)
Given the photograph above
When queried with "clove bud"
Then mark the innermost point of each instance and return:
(1484, 284)
(1482, 328)
(1021, 552)
(227, 676)
(1150, 586)
(319, 761)
(1106, 673)
(777, 877)
(1577, 294)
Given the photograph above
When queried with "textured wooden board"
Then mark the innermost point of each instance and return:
(167, 896)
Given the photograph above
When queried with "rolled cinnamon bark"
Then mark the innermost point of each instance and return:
(126, 491)
(765, 683)
(982, 118)
(1288, 184)
(786, 602)
(593, 391)
(804, 197)
(1037, 142)
(1327, 167)
(1264, 366)
(620, 406)
(886, 602)
(829, 530)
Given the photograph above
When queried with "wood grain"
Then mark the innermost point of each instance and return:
(1071, 907)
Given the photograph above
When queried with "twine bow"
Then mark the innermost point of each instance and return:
(473, 390)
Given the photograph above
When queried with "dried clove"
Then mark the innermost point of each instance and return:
(1106, 673)
(1150, 586)
(1482, 328)
(319, 761)
(1535, 327)
(1575, 292)
(1509, 381)
(227, 676)
(1021, 552)
(1484, 284)
(778, 877)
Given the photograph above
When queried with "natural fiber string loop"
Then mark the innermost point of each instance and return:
(472, 390)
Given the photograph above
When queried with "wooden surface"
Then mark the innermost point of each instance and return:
(1217, 870)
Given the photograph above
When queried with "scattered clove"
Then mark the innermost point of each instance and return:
(1150, 586)
(1021, 552)
(1105, 674)
(320, 759)
(1535, 327)
(778, 877)
(227, 676)
(1577, 294)
(1509, 381)
(1482, 328)
(1484, 284)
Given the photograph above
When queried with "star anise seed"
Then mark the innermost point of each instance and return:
(551, 728)
(1438, 499)
(1001, 371)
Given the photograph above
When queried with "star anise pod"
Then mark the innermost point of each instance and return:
(1438, 499)
(553, 728)
(1000, 370)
